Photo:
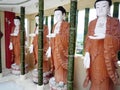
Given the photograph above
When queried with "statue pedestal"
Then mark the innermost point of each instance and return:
(46, 76)
(57, 86)
(15, 69)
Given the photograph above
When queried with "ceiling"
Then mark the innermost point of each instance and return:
(31, 6)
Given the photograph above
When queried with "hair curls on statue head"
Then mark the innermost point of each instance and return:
(62, 9)
(110, 2)
(17, 17)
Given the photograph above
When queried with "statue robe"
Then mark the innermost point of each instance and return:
(46, 63)
(59, 59)
(16, 47)
(103, 55)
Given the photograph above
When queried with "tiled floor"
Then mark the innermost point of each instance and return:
(13, 82)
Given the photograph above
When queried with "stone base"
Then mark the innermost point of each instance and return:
(40, 87)
(15, 69)
(57, 86)
(46, 76)
(22, 77)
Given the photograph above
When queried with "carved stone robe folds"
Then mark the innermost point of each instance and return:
(103, 55)
(46, 63)
(59, 58)
(16, 47)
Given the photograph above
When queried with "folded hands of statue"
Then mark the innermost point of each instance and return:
(31, 48)
(11, 46)
(97, 36)
(86, 61)
(51, 35)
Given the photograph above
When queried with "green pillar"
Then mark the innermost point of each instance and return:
(86, 22)
(40, 43)
(22, 41)
(46, 20)
(52, 22)
(115, 14)
(72, 41)
(0, 58)
(67, 16)
(77, 18)
(116, 9)
(0, 52)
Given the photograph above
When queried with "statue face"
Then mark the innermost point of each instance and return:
(102, 8)
(16, 22)
(58, 16)
(37, 19)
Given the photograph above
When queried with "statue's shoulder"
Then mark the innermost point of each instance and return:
(65, 24)
(92, 22)
(113, 19)
(45, 26)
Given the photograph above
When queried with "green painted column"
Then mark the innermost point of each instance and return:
(115, 14)
(86, 23)
(67, 17)
(46, 20)
(40, 43)
(0, 52)
(0, 58)
(22, 41)
(116, 9)
(72, 41)
(52, 22)
(77, 18)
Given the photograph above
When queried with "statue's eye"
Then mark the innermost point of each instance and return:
(104, 6)
(97, 7)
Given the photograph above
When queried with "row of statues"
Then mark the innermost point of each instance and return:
(101, 47)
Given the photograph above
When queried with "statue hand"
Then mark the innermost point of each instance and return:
(51, 35)
(87, 60)
(13, 34)
(32, 35)
(97, 36)
(26, 43)
(11, 46)
(31, 48)
(48, 53)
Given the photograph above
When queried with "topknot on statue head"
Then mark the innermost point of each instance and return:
(61, 8)
(110, 2)
(17, 17)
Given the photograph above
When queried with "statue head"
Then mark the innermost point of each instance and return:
(17, 20)
(102, 7)
(59, 14)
